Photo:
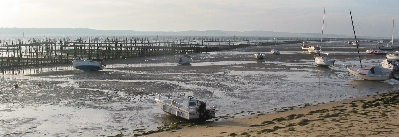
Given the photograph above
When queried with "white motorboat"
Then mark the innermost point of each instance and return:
(88, 65)
(275, 52)
(377, 73)
(393, 56)
(323, 61)
(188, 108)
(259, 56)
(390, 64)
(185, 60)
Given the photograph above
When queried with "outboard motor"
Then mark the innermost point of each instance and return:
(205, 114)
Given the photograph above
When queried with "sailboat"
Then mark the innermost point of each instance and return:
(389, 45)
(321, 60)
(377, 73)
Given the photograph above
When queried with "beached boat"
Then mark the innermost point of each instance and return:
(322, 60)
(355, 43)
(259, 56)
(314, 49)
(188, 108)
(390, 64)
(275, 52)
(88, 65)
(185, 60)
(376, 52)
(386, 47)
(376, 73)
(305, 45)
(393, 56)
(389, 45)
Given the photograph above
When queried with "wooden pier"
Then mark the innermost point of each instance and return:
(34, 52)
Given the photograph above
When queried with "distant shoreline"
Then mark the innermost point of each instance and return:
(87, 31)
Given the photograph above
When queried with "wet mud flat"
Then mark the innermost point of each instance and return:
(62, 101)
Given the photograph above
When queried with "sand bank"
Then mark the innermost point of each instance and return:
(369, 116)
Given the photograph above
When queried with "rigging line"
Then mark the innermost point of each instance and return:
(357, 44)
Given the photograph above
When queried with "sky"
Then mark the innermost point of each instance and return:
(371, 17)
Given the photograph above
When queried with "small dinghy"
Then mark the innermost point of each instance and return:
(323, 61)
(393, 56)
(259, 56)
(390, 64)
(275, 52)
(314, 49)
(88, 65)
(185, 60)
(188, 108)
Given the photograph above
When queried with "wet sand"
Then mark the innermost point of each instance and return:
(370, 116)
(119, 99)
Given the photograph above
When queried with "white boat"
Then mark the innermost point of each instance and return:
(376, 52)
(355, 43)
(323, 61)
(185, 60)
(387, 47)
(381, 41)
(188, 108)
(305, 45)
(377, 73)
(275, 51)
(314, 49)
(88, 65)
(390, 64)
(259, 56)
(393, 56)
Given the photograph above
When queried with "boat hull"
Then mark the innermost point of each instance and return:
(185, 61)
(381, 74)
(259, 56)
(324, 61)
(179, 107)
(275, 52)
(393, 56)
(88, 65)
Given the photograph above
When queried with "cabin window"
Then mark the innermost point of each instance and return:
(192, 103)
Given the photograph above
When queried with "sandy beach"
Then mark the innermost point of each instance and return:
(369, 116)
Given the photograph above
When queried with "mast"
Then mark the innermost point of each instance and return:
(393, 25)
(357, 44)
(322, 29)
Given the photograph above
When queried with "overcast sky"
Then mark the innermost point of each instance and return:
(371, 17)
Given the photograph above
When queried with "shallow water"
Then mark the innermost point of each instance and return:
(62, 101)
